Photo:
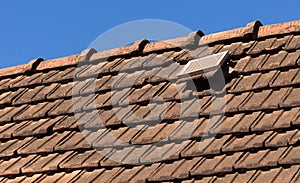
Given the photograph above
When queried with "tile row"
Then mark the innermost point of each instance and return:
(169, 141)
(178, 169)
(267, 62)
(230, 103)
(164, 91)
(94, 120)
(257, 47)
(279, 175)
(100, 69)
(272, 79)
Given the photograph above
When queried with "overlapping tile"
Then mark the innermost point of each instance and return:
(40, 136)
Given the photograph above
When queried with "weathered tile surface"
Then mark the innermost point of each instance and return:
(136, 121)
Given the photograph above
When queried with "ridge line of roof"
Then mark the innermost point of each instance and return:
(252, 31)
(24, 68)
(279, 29)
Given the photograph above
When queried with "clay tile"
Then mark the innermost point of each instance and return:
(250, 31)
(183, 42)
(86, 54)
(279, 29)
(136, 48)
(58, 62)
(20, 69)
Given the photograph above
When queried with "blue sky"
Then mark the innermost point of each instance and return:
(50, 29)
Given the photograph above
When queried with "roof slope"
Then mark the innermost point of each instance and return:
(257, 141)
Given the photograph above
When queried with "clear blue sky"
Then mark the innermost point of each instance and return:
(50, 29)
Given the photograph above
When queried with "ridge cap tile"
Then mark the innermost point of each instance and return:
(249, 31)
(279, 29)
(134, 49)
(58, 62)
(20, 69)
(183, 42)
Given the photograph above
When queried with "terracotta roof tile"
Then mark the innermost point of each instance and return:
(114, 155)
(45, 163)
(61, 107)
(8, 113)
(165, 171)
(287, 174)
(279, 29)
(246, 83)
(238, 177)
(156, 152)
(255, 101)
(279, 43)
(274, 61)
(246, 122)
(137, 47)
(239, 33)
(88, 175)
(61, 91)
(6, 99)
(74, 141)
(292, 99)
(39, 110)
(236, 101)
(14, 165)
(25, 178)
(261, 46)
(256, 139)
(229, 123)
(266, 121)
(183, 42)
(91, 161)
(246, 142)
(285, 78)
(199, 148)
(241, 64)
(293, 44)
(264, 158)
(60, 177)
(4, 84)
(31, 128)
(127, 174)
(59, 62)
(281, 139)
(109, 175)
(63, 75)
(21, 69)
(262, 176)
(33, 95)
(215, 165)
(65, 123)
(290, 156)
(9, 148)
(43, 145)
(6, 130)
(75, 160)
(292, 59)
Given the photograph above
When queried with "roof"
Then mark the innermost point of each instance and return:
(257, 141)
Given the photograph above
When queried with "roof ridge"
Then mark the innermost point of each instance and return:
(253, 30)
(250, 31)
(279, 29)
(20, 69)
